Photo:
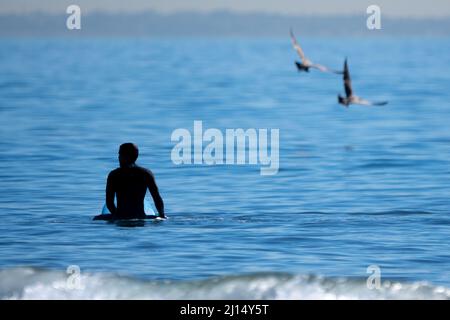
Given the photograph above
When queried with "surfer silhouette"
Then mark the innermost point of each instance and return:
(129, 184)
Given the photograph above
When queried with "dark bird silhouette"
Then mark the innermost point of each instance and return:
(305, 63)
(350, 98)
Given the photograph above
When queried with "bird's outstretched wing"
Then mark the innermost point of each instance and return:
(364, 102)
(325, 69)
(347, 81)
(297, 46)
(320, 67)
(380, 103)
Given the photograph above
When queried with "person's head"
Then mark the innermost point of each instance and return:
(128, 153)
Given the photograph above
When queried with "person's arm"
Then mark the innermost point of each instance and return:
(110, 193)
(153, 188)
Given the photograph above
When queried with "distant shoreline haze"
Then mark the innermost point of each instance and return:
(219, 23)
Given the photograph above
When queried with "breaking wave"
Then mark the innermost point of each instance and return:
(32, 283)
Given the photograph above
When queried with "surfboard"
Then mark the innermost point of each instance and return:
(109, 217)
(149, 214)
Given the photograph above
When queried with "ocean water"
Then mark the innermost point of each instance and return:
(356, 187)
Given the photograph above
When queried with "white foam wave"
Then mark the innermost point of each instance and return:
(30, 283)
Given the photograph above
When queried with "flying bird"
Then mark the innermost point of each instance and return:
(350, 98)
(306, 64)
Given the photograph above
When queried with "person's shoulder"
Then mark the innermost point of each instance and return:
(145, 171)
(113, 172)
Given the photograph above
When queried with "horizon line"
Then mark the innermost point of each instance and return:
(227, 11)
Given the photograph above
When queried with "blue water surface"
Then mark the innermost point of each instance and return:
(356, 187)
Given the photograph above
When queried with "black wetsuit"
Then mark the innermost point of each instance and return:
(129, 185)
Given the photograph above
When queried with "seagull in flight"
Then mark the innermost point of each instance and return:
(350, 98)
(306, 64)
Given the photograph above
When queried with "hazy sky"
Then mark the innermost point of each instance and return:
(404, 8)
